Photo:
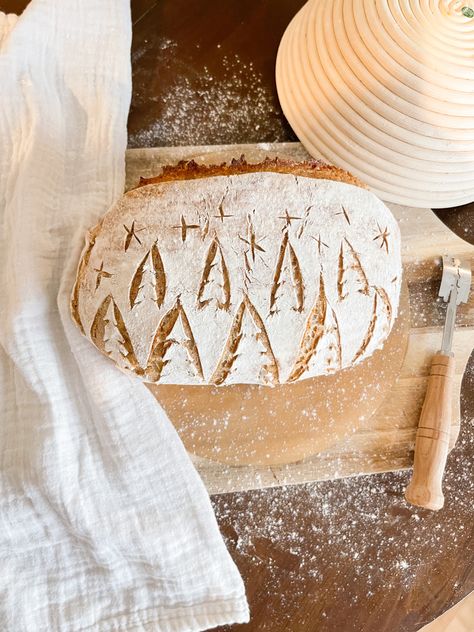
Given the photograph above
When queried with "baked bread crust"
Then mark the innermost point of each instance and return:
(262, 273)
(190, 170)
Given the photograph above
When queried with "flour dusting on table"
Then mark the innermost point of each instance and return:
(224, 109)
(356, 537)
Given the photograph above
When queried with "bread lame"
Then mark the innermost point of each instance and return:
(433, 434)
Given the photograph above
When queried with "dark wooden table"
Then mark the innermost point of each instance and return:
(342, 556)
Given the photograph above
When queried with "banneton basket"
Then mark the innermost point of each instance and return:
(385, 89)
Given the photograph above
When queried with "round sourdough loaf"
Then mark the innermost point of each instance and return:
(243, 273)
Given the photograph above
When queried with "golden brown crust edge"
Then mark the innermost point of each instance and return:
(190, 170)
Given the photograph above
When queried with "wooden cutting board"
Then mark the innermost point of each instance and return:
(360, 421)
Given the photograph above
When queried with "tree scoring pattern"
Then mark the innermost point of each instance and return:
(174, 346)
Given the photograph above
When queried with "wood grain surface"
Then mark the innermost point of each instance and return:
(337, 556)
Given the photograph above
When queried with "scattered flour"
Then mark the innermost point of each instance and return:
(356, 538)
(205, 110)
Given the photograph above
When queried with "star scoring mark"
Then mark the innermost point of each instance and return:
(131, 234)
(101, 274)
(320, 243)
(183, 227)
(288, 218)
(345, 213)
(252, 241)
(383, 235)
(222, 215)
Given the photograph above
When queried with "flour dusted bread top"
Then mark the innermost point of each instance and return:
(264, 274)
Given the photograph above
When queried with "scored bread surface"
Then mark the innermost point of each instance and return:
(244, 273)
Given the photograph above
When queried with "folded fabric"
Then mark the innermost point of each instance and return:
(104, 523)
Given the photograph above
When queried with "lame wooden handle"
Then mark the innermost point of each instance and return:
(433, 436)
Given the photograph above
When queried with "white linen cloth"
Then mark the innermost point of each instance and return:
(104, 524)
